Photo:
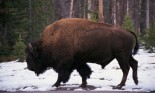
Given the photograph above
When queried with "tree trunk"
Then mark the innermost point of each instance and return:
(118, 13)
(142, 16)
(76, 8)
(127, 9)
(114, 12)
(84, 10)
(135, 14)
(107, 11)
(71, 9)
(101, 17)
(152, 12)
(89, 9)
(147, 13)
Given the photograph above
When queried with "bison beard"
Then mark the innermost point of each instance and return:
(68, 44)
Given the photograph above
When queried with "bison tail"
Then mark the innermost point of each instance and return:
(136, 47)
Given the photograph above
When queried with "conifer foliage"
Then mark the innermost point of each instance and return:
(128, 23)
(149, 38)
(19, 49)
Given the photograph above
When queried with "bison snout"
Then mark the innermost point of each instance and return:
(31, 69)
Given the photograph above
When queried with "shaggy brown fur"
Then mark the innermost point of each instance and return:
(69, 43)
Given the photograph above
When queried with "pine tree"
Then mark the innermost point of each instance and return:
(149, 38)
(19, 49)
(128, 23)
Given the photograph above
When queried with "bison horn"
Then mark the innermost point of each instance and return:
(30, 47)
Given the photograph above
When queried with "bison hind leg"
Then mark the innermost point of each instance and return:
(123, 61)
(134, 65)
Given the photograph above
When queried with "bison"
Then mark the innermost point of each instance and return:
(70, 43)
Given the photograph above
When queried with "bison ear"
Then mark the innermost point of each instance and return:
(30, 47)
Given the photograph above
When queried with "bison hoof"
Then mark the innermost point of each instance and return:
(118, 87)
(56, 85)
(83, 85)
(136, 82)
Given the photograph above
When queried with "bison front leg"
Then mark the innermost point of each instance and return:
(63, 76)
(64, 72)
(85, 72)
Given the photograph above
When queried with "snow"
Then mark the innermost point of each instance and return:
(14, 76)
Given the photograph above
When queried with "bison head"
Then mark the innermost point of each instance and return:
(34, 58)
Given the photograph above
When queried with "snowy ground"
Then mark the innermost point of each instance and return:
(15, 77)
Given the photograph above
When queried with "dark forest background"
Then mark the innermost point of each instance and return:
(22, 21)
